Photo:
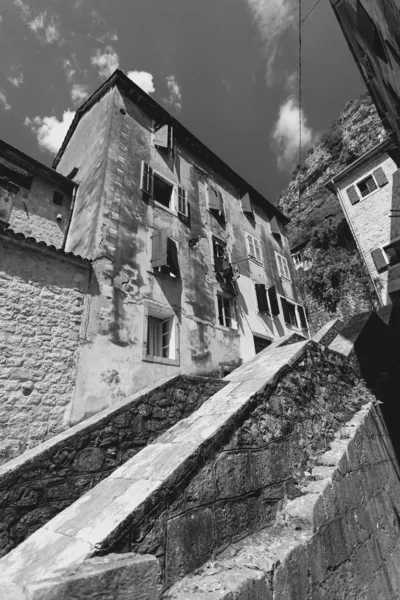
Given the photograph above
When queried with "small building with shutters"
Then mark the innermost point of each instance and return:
(192, 266)
(369, 194)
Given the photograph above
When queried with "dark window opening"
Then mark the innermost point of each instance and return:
(221, 259)
(162, 191)
(289, 313)
(261, 343)
(58, 198)
(367, 186)
(225, 311)
(393, 253)
(370, 32)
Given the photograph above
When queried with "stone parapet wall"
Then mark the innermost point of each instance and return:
(42, 306)
(339, 538)
(211, 479)
(41, 483)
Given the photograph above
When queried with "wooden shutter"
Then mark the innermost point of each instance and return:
(246, 204)
(274, 226)
(182, 201)
(146, 183)
(302, 316)
(379, 260)
(273, 300)
(380, 177)
(353, 194)
(214, 199)
(161, 137)
(159, 249)
(262, 300)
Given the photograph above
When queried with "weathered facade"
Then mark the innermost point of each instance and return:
(193, 265)
(371, 28)
(369, 194)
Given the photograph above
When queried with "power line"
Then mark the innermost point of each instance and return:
(309, 13)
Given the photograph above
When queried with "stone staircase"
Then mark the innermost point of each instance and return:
(282, 484)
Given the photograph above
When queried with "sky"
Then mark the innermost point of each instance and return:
(226, 69)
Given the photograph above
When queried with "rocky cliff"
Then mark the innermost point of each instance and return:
(306, 201)
(336, 283)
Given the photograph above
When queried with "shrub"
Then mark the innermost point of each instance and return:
(332, 141)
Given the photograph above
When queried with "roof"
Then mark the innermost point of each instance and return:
(381, 147)
(118, 78)
(6, 231)
(24, 166)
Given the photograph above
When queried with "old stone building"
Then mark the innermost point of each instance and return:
(371, 28)
(185, 268)
(369, 194)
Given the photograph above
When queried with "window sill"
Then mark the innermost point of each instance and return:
(362, 198)
(165, 276)
(163, 207)
(231, 329)
(255, 260)
(174, 362)
(285, 278)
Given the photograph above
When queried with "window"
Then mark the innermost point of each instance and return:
(297, 258)
(367, 186)
(164, 255)
(387, 256)
(370, 32)
(246, 205)
(254, 248)
(162, 191)
(289, 313)
(221, 258)
(160, 334)
(159, 337)
(57, 198)
(283, 267)
(164, 138)
(260, 343)
(273, 301)
(215, 202)
(274, 227)
(226, 311)
(262, 300)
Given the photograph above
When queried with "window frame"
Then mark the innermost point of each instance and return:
(162, 313)
(283, 258)
(369, 176)
(255, 242)
(173, 202)
(298, 326)
(232, 307)
(363, 178)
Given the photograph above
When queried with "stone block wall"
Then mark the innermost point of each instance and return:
(40, 484)
(42, 306)
(237, 489)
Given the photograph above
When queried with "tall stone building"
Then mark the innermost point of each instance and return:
(371, 28)
(187, 268)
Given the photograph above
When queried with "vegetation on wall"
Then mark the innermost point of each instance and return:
(336, 268)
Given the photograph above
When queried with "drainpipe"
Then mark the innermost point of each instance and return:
(343, 207)
(70, 217)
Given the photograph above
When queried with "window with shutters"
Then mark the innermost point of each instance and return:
(160, 334)
(247, 207)
(164, 139)
(215, 203)
(162, 191)
(283, 267)
(367, 186)
(254, 248)
(220, 253)
(262, 299)
(289, 313)
(226, 311)
(164, 254)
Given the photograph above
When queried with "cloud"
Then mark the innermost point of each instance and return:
(16, 77)
(24, 8)
(175, 95)
(3, 101)
(69, 69)
(78, 93)
(143, 80)
(286, 135)
(272, 18)
(50, 132)
(46, 29)
(106, 61)
(108, 37)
